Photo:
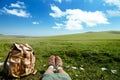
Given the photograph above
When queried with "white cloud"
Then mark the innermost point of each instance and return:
(16, 12)
(18, 5)
(73, 25)
(17, 9)
(113, 2)
(60, 1)
(113, 13)
(75, 18)
(57, 26)
(57, 12)
(35, 22)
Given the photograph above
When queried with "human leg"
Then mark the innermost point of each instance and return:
(49, 74)
(58, 62)
(51, 63)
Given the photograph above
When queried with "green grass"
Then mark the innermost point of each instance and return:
(92, 51)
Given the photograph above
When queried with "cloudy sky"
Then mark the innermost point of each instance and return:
(56, 17)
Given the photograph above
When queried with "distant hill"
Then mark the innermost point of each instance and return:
(114, 32)
(13, 36)
(89, 36)
(1, 34)
(80, 36)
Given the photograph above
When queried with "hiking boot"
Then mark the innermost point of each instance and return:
(58, 61)
(51, 61)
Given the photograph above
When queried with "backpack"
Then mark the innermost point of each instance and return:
(20, 61)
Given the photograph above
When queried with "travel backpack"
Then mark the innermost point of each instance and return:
(20, 61)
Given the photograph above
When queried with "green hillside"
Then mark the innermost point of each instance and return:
(91, 51)
(89, 36)
(79, 36)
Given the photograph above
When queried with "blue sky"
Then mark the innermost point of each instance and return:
(56, 17)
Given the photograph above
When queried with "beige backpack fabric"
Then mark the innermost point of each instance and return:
(20, 61)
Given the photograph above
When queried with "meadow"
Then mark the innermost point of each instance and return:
(86, 56)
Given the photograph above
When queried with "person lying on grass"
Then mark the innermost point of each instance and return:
(49, 73)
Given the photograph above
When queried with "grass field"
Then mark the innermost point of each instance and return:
(91, 51)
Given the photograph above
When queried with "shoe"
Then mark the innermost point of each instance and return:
(58, 61)
(51, 61)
